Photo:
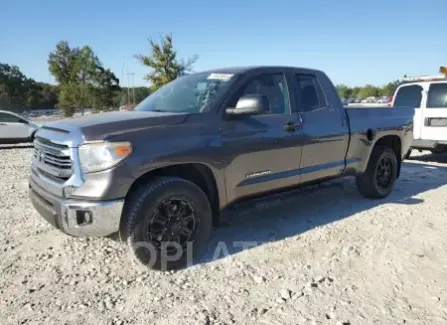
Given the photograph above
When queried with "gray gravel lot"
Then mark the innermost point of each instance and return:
(321, 255)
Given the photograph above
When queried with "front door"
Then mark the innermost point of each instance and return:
(263, 151)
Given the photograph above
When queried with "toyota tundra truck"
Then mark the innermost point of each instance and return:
(159, 176)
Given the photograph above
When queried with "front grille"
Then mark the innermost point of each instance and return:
(53, 159)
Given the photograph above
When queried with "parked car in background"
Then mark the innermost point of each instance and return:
(370, 99)
(428, 94)
(383, 100)
(15, 128)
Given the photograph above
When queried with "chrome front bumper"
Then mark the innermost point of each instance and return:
(77, 218)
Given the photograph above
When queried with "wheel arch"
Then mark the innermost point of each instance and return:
(197, 173)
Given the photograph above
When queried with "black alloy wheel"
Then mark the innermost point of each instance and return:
(172, 223)
(378, 179)
(384, 172)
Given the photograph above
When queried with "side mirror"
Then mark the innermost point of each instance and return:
(250, 105)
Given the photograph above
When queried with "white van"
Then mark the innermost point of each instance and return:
(429, 97)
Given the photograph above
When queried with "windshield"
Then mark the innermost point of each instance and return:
(187, 94)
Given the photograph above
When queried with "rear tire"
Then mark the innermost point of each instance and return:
(378, 179)
(167, 222)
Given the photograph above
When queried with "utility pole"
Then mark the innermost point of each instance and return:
(122, 70)
(131, 74)
(133, 85)
(128, 90)
(133, 88)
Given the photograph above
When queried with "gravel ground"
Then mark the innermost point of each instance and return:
(325, 256)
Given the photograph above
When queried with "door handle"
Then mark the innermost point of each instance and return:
(291, 126)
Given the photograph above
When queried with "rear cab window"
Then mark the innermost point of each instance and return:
(409, 95)
(310, 94)
(437, 95)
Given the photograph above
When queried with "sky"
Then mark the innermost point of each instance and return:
(354, 42)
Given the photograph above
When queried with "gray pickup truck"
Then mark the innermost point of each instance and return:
(160, 175)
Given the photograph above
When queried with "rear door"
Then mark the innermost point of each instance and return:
(324, 127)
(434, 112)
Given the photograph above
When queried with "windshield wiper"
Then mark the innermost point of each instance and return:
(159, 110)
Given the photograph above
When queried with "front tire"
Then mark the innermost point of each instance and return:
(167, 222)
(378, 179)
(33, 136)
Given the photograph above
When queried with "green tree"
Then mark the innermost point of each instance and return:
(18, 92)
(344, 91)
(13, 87)
(67, 98)
(83, 79)
(141, 93)
(72, 96)
(126, 96)
(50, 95)
(368, 91)
(355, 92)
(164, 64)
(106, 88)
(389, 88)
(62, 61)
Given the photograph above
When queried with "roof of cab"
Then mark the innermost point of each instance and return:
(237, 70)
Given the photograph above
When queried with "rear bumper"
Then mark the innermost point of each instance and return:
(429, 144)
(77, 218)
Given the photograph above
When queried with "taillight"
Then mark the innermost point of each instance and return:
(390, 101)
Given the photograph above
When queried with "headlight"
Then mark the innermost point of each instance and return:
(95, 157)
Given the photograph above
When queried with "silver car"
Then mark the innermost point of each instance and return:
(15, 129)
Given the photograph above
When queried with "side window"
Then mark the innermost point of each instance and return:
(310, 93)
(437, 96)
(271, 85)
(8, 118)
(409, 96)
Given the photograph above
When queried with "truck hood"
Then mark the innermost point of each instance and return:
(97, 127)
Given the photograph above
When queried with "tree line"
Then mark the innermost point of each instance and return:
(367, 91)
(84, 82)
